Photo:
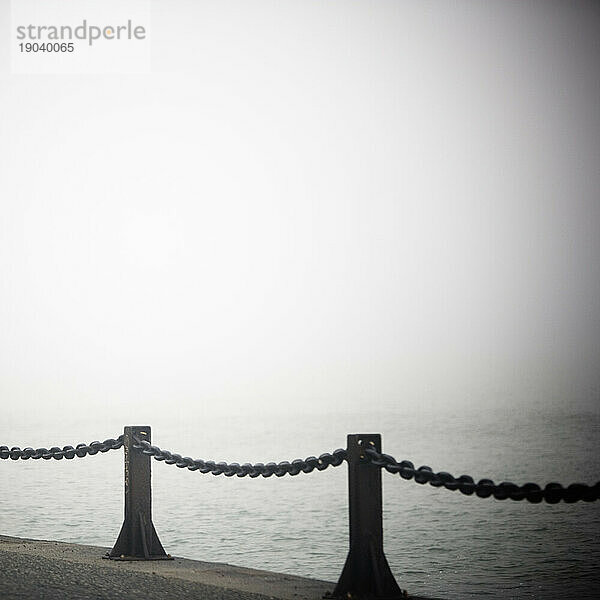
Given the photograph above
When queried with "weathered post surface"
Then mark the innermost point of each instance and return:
(138, 539)
(366, 574)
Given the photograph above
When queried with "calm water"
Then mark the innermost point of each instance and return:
(438, 543)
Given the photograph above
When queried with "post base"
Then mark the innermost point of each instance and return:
(123, 557)
(138, 541)
(367, 576)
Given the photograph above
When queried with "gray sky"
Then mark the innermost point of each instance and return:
(308, 203)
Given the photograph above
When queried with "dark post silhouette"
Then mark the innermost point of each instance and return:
(138, 539)
(366, 574)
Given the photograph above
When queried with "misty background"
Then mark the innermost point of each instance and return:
(306, 206)
(312, 219)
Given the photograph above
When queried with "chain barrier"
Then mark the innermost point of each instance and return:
(366, 572)
(552, 493)
(295, 467)
(57, 453)
(484, 488)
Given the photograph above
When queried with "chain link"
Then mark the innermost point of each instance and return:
(484, 488)
(230, 469)
(68, 452)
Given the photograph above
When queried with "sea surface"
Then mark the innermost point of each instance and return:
(438, 543)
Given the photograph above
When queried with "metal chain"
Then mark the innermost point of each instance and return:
(57, 453)
(484, 488)
(229, 469)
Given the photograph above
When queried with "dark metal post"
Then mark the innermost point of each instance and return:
(366, 574)
(138, 539)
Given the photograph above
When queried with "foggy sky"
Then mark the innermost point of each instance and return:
(334, 204)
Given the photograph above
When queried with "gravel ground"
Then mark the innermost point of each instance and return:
(45, 570)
